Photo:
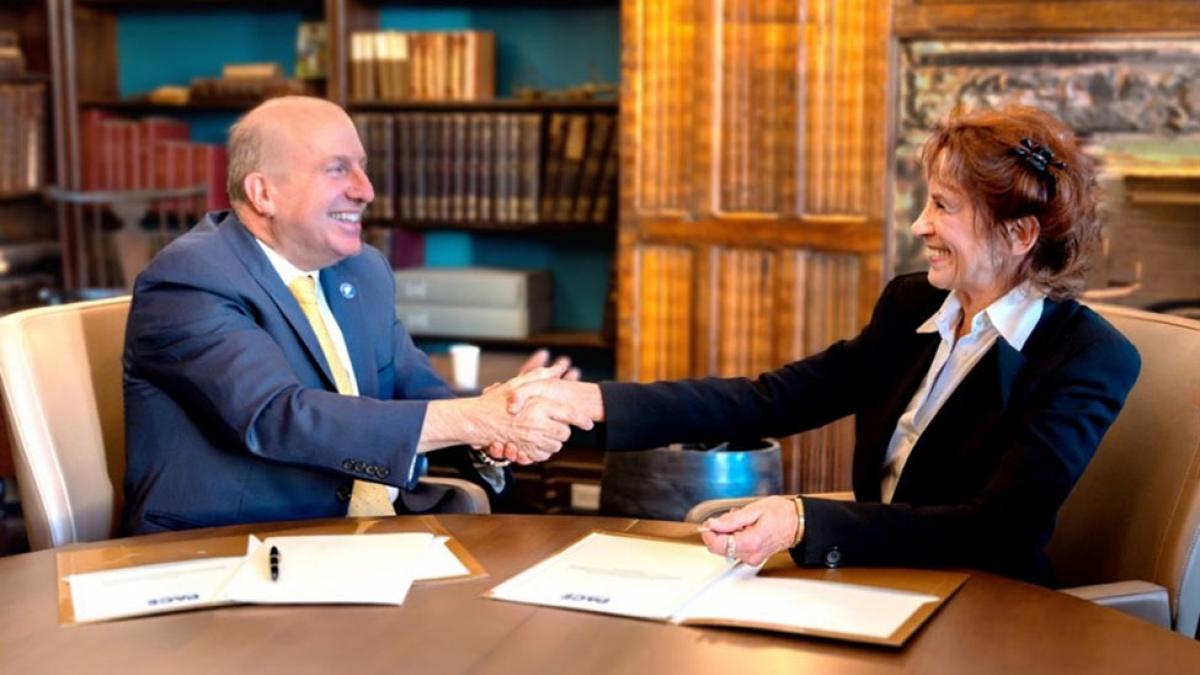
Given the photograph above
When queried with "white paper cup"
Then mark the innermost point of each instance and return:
(464, 361)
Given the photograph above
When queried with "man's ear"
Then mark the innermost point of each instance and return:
(1023, 234)
(259, 193)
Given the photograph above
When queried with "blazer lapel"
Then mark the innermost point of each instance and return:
(868, 460)
(341, 292)
(1009, 363)
(246, 247)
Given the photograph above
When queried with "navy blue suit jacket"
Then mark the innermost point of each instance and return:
(982, 485)
(231, 412)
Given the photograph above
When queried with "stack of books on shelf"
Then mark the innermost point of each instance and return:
(151, 153)
(22, 137)
(244, 83)
(407, 66)
(492, 169)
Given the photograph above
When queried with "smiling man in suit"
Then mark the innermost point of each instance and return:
(266, 375)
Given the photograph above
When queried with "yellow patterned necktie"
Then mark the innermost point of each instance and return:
(368, 499)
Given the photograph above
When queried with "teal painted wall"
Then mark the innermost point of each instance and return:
(544, 46)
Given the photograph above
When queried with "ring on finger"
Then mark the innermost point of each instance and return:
(730, 549)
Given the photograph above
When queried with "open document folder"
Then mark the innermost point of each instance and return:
(326, 568)
(684, 583)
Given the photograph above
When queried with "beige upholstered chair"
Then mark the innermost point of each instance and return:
(60, 368)
(1130, 529)
(60, 372)
(1134, 517)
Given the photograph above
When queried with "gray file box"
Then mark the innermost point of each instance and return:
(474, 322)
(473, 287)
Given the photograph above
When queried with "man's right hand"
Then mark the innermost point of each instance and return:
(534, 432)
(582, 399)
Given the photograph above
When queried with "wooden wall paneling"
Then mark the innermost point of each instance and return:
(792, 299)
(833, 232)
(629, 197)
(753, 108)
(628, 335)
(707, 311)
(1043, 18)
(847, 47)
(751, 130)
(662, 312)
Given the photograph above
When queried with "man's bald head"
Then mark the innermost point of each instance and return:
(259, 140)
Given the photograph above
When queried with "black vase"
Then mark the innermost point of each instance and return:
(664, 483)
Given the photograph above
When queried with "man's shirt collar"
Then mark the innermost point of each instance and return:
(287, 271)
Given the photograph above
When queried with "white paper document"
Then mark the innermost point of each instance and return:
(685, 583)
(353, 569)
(439, 562)
(824, 606)
(150, 589)
(365, 569)
(618, 575)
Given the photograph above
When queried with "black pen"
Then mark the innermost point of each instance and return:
(274, 564)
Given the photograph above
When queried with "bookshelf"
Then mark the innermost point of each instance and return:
(29, 249)
(118, 38)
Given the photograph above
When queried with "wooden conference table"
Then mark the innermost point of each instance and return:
(992, 625)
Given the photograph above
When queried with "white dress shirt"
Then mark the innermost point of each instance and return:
(1012, 317)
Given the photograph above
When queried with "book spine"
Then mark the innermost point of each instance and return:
(530, 156)
(574, 149)
(552, 166)
(487, 166)
(606, 190)
(602, 126)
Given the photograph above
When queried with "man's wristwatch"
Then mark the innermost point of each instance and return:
(481, 457)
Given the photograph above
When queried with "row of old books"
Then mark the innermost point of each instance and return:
(410, 66)
(492, 169)
(22, 137)
(152, 153)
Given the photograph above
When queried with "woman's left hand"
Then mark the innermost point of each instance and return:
(759, 529)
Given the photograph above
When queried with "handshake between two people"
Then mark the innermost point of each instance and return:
(525, 420)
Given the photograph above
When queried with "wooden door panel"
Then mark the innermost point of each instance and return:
(662, 316)
(753, 165)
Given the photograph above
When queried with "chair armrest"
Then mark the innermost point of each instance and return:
(712, 507)
(1140, 598)
(476, 496)
(832, 496)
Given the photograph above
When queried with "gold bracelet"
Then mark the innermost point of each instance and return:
(799, 521)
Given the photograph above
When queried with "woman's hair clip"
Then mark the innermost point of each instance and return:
(1040, 159)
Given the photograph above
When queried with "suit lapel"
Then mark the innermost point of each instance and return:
(246, 247)
(341, 292)
(869, 461)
